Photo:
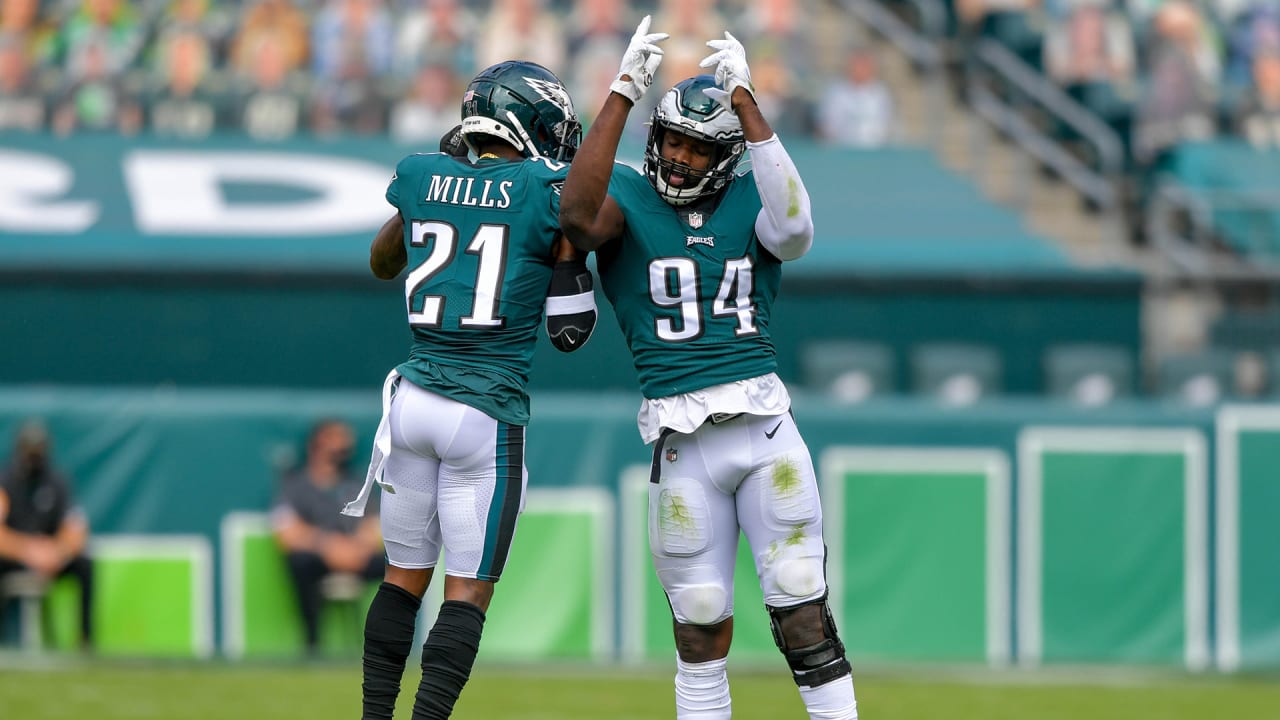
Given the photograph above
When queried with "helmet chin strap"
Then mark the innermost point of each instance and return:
(524, 136)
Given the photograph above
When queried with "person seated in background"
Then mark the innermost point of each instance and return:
(1259, 118)
(1179, 104)
(317, 539)
(21, 103)
(431, 108)
(268, 102)
(278, 22)
(351, 54)
(98, 100)
(1092, 43)
(42, 530)
(183, 106)
(857, 109)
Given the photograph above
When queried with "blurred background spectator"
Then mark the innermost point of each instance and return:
(317, 539)
(1091, 43)
(42, 529)
(779, 41)
(267, 102)
(103, 36)
(351, 46)
(856, 110)
(690, 23)
(436, 32)
(598, 33)
(1259, 116)
(21, 101)
(430, 111)
(275, 22)
(182, 106)
(1180, 101)
(522, 29)
(94, 97)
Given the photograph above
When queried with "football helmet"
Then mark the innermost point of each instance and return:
(688, 110)
(524, 104)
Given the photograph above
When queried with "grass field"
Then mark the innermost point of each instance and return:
(108, 691)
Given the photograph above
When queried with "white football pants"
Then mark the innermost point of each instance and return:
(454, 478)
(752, 473)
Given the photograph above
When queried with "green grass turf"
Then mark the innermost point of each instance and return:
(99, 691)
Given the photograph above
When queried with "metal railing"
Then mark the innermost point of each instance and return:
(1184, 228)
(1100, 181)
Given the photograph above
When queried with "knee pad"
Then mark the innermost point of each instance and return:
(799, 576)
(700, 604)
(806, 635)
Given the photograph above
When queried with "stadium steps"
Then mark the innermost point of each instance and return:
(1051, 209)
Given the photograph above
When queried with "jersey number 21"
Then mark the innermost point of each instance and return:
(489, 242)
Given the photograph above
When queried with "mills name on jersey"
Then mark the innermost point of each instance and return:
(453, 190)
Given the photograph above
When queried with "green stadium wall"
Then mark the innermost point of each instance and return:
(1016, 531)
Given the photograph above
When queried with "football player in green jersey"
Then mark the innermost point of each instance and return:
(481, 239)
(689, 253)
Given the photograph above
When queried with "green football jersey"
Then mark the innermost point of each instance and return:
(692, 294)
(481, 243)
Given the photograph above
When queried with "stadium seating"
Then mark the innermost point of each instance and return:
(956, 373)
(849, 371)
(1089, 374)
(1201, 378)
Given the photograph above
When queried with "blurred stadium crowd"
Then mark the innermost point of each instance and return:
(276, 68)
(1160, 71)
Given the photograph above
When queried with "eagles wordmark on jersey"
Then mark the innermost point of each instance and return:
(691, 282)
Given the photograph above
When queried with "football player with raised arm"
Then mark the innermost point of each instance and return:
(690, 253)
(481, 239)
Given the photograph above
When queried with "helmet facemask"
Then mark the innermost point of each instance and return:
(687, 110)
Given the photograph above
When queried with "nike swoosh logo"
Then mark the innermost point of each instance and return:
(774, 431)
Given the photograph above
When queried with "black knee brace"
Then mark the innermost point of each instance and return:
(815, 662)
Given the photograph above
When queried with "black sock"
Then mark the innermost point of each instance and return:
(388, 638)
(447, 657)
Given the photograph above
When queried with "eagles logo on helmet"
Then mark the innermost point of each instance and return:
(525, 105)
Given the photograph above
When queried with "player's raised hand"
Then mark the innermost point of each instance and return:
(639, 63)
(451, 143)
(730, 61)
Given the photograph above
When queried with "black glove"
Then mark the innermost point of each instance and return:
(451, 143)
(571, 305)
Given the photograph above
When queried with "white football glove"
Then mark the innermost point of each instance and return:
(639, 63)
(730, 60)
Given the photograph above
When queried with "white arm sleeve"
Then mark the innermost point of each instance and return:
(785, 223)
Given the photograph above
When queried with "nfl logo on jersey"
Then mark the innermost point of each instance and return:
(672, 454)
(695, 220)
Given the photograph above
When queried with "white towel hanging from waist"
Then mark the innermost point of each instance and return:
(381, 449)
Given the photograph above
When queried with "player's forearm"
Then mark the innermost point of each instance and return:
(72, 537)
(785, 223)
(298, 536)
(387, 255)
(12, 544)
(754, 125)
(587, 183)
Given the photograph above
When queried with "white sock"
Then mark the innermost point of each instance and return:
(702, 691)
(832, 701)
